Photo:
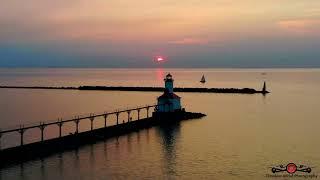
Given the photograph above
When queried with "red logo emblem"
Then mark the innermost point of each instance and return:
(291, 168)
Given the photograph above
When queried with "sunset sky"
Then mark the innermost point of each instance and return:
(189, 33)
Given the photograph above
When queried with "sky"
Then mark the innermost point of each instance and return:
(189, 33)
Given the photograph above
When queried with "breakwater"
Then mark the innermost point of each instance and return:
(149, 89)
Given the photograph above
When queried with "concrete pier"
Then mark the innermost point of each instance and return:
(44, 147)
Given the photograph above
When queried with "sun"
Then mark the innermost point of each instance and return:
(159, 59)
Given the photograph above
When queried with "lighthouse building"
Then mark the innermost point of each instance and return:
(168, 101)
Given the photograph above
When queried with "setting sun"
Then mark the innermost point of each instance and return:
(159, 59)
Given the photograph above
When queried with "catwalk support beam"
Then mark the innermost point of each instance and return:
(42, 127)
(21, 132)
(128, 115)
(105, 119)
(77, 121)
(91, 121)
(60, 124)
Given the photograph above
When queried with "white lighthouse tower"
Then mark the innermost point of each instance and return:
(169, 98)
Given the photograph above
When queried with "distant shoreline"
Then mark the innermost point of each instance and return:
(146, 89)
(79, 67)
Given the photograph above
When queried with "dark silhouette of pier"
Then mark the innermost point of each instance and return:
(22, 129)
(44, 147)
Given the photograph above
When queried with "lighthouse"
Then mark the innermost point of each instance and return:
(169, 101)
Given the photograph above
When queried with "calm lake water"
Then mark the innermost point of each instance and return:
(241, 137)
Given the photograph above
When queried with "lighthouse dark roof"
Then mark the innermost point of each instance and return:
(167, 95)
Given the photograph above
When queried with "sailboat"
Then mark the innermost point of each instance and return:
(203, 80)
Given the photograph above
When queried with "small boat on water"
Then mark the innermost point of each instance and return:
(203, 79)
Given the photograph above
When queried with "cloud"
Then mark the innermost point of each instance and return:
(189, 41)
(300, 26)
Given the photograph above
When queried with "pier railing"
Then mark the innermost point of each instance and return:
(21, 129)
